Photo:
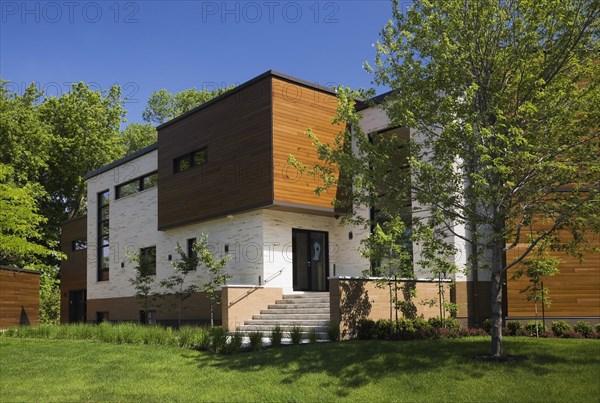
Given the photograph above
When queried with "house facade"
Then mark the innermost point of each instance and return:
(222, 170)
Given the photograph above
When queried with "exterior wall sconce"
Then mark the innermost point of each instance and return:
(350, 235)
(170, 258)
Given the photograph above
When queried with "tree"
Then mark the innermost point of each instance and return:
(501, 98)
(534, 267)
(84, 125)
(137, 136)
(390, 253)
(214, 268)
(143, 283)
(21, 236)
(176, 284)
(164, 106)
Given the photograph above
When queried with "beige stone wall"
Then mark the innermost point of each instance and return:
(355, 299)
(195, 309)
(241, 303)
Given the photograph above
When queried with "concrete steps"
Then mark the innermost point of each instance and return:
(308, 311)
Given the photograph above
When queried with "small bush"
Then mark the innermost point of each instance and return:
(366, 329)
(312, 336)
(447, 323)
(333, 332)
(571, 334)
(235, 343)
(256, 342)
(487, 326)
(218, 339)
(583, 328)
(382, 329)
(296, 335)
(531, 327)
(515, 328)
(276, 336)
(559, 327)
(597, 328)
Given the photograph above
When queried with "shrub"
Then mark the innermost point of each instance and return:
(296, 334)
(218, 339)
(531, 327)
(597, 328)
(447, 333)
(366, 329)
(405, 329)
(235, 343)
(312, 336)
(572, 334)
(256, 342)
(487, 326)
(276, 336)
(515, 328)
(559, 327)
(583, 328)
(333, 332)
(423, 329)
(382, 329)
(447, 323)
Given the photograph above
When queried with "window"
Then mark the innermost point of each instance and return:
(137, 185)
(187, 161)
(148, 260)
(103, 235)
(102, 317)
(78, 244)
(190, 247)
(150, 319)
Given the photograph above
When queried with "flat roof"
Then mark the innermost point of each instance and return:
(19, 270)
(234, 90)
(123, 160)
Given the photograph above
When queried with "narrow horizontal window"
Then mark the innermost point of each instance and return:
(78, 244)
(137, 185)
(187, 161)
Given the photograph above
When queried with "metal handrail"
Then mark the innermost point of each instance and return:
(255, 287)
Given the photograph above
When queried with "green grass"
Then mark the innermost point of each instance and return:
(420, 370)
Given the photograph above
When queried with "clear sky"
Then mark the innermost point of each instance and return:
(148, 45)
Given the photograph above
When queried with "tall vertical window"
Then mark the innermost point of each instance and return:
(190, 247)
(103, 233)
(148, 260)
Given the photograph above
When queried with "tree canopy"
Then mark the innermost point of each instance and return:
(164, 106)
(501, 98)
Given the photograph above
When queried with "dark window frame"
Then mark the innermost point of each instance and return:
(190, 158)
(140, 180)
(144, 252)
(103, 273)
(78, 245)
(190, 250)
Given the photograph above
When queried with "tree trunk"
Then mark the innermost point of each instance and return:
(212, 323)
(497, 266)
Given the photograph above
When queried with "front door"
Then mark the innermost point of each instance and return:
(310, 260)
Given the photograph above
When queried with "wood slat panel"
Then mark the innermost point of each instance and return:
(236, 131)
(19, 298)
(295, 110)
(574, 291)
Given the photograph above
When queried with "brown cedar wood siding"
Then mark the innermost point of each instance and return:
(73, 270)
(574, 291)
(297, 108)
(19, 297)
(236, 131)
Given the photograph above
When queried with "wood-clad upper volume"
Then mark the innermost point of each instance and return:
(246, 136)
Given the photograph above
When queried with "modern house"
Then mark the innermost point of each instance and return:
(222, 170)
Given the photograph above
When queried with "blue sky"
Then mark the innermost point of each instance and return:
(149, 45)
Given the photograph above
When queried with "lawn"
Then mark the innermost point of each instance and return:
(420, 370)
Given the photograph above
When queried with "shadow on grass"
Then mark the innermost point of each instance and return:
(357, 363)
